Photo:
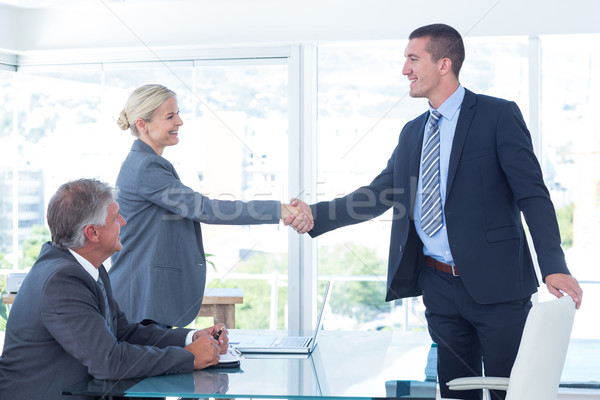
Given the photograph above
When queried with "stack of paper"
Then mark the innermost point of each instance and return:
(231, 358)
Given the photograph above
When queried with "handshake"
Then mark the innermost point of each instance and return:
(298, 215)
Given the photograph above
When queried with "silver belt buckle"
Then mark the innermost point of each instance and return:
(454, 271)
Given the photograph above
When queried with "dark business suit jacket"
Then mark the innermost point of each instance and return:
(493, 176)
(56, 334)
(160, 274)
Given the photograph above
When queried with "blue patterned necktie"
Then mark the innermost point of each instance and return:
(431, 200)
(106, 307)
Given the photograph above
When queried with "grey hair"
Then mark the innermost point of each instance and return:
(142, 103)
(75, 205)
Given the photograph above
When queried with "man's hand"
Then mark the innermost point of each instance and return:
(566, 283)
(205, 350)
(222, 340)
(298, 215)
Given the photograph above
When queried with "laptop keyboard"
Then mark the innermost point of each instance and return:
(291, 341)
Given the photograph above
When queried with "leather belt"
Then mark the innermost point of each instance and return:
(440, 266)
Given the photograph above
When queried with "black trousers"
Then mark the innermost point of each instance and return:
(469, 334)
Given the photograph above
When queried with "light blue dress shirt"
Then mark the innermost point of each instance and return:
(437, 246)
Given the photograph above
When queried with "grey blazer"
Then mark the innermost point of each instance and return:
(57, 335)
(160, 274)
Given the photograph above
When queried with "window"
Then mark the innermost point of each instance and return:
(240, 138)
(234, 145)
(571, 159)
(363, 105)
(8, 144)
(59, 138)
(499, 67)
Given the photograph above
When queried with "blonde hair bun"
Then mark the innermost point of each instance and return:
(122, 121)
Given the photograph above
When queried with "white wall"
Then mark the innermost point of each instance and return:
(9, 34)
(242, 22)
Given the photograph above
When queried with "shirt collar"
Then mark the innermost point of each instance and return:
(93, 271)
(449, 108)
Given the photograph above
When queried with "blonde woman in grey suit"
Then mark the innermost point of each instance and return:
(159, 276)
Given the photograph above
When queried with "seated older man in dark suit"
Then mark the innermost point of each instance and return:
(65, 324)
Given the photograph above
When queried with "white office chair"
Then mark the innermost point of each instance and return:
(541, 356)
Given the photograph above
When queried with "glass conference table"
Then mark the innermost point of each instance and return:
(344, 365)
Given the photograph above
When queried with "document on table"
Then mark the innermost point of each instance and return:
(231, 358)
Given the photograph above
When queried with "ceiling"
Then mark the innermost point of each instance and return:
(52, 3)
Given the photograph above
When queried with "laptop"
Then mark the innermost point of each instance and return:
(282, 344)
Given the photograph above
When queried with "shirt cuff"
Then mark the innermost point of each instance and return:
(190, 337)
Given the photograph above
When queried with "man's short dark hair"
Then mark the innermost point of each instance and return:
(445, 42)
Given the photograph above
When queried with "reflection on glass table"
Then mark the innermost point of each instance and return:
(359, 365)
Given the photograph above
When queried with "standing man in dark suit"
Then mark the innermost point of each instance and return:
(65, 324)
(459, 179)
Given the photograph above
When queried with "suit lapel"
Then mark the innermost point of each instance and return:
(415, 153)
(467, 111)
(415, 159)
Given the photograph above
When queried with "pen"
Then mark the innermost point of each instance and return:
(238, 352)
(218, 334)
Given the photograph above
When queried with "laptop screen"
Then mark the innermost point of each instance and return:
(320, 316)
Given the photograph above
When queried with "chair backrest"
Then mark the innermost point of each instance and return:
(542, 352)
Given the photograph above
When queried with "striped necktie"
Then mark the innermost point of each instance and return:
(431, 200)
